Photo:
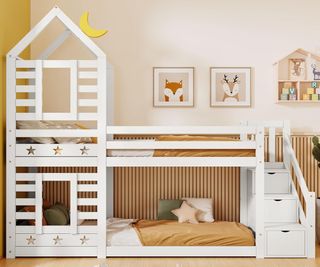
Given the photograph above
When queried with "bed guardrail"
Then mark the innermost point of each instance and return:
(307, 218)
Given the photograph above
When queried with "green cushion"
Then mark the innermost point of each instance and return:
(166, 206)
(63, 208)
(55, 216)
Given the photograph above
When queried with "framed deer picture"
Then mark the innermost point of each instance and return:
(230, 86)
(173, 87)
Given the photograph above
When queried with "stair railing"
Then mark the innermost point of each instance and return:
(306, 218)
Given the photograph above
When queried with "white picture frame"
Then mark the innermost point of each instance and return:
(173, 86)
(234, 89)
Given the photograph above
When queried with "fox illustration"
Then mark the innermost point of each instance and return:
(173, 92)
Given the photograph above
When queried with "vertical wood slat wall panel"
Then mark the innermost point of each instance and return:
(137, 190)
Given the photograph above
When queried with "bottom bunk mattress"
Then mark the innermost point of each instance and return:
(123, 232)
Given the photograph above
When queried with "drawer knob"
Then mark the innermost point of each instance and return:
(277, 200)
(271, 173)
(285, 231)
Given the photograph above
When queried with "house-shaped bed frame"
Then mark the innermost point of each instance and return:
(90, 240)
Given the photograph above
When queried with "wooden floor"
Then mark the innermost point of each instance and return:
(160, 262)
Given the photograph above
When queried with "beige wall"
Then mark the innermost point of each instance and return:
(199, 33)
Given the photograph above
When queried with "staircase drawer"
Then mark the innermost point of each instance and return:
(285, 243)
(281, 210)
(274, 183)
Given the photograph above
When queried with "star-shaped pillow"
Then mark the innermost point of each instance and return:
(186, 213)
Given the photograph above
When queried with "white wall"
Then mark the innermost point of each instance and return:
(198, 33)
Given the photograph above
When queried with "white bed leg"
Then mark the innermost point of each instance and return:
(260, 193)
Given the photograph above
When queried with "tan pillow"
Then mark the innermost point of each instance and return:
(186, 213)
(204, 206)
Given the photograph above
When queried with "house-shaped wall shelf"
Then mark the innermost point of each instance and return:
(297, 78)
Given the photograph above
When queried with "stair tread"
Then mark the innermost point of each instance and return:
(290, 226)
(280, 196)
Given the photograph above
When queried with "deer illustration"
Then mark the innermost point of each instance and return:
(231, 89)
(316, 74)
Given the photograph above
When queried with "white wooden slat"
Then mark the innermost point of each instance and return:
(73, 206)
(181, 130)
(87, 177)
(26, 176)
(56, 161)
(25, 202)
(88, 102)
(25, 64)
(272, 144)
(25, 102)
(87, 202)
(25, 116)
(65, 240)
(58, 64)
(88, 75)
(38, 94)
(56, 133)
(25, 75)
(87, 188)
(56, 229)
(54, 251)
(25, 215)
(25, 88)
(73, 89)
(38, 213)
(88, 89)
(181, 161)
(56, 150)
(150, 144)
(87, 215)
(87, 64)
(87, 116)
(25, 188)
(181, 251)
(58, 176)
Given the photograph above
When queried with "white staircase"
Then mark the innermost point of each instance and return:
(285, 235)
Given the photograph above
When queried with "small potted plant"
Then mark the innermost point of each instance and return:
(316, 154)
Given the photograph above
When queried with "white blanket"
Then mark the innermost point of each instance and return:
(121, 233)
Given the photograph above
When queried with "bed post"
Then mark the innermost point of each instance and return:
(243, 186)
(11, 155)
(101, 167)
(260, 193)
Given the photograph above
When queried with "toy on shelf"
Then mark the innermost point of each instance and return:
(285, 91)
(284, 97)
(318, 91)
(315, 97)
(310, 91)
(316, 73)
(314, 85)
(292, 97)
(306, 97)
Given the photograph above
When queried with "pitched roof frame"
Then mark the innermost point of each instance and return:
(56, 12)
(302, 52)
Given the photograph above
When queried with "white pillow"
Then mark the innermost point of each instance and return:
(205, 207)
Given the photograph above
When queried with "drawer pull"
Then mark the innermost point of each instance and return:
(277, 200)
(285, 231)
(271, 173)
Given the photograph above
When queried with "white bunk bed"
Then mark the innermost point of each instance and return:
(91, 240)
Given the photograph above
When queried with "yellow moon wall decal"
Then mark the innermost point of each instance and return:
(87, 29)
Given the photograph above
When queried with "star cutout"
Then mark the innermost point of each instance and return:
(84, 150)
(57, 150)
(31, 150)
(84, 240)
(31, 240)
(57, 240)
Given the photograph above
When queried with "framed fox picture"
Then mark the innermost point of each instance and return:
(173, 86)
(230, 86)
